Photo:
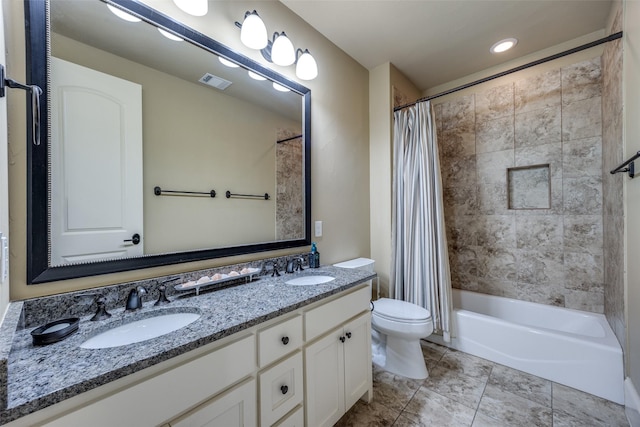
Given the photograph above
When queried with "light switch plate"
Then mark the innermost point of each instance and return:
(318, 232)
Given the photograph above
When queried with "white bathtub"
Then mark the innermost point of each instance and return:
(570, 347)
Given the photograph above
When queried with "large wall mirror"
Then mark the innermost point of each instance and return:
(154, 152)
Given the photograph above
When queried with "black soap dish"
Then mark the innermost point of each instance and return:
(55, 331)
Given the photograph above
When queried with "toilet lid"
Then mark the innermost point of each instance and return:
(394, 309)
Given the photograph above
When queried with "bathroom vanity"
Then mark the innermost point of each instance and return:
(263, 353)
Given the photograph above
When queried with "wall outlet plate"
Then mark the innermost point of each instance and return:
(318, 227)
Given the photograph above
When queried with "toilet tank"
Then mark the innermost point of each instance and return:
(361, 263)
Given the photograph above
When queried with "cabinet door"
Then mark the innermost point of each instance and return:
(357, 359)
(235, 408)
(324, 382)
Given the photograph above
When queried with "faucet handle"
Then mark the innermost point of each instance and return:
(102, 313)
(273, 269)
(162, 298)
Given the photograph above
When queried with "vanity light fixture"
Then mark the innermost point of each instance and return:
(306, 66)
(279, 87)
(256, 76)
(503, 45)
(228, 63)
(122, 14)
(193, 7)
(253, 32)
(282, 51)
(169, 35)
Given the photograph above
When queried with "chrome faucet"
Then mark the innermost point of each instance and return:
(134, 300)
(295, 264)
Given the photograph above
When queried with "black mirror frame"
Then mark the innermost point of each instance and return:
(37, 50)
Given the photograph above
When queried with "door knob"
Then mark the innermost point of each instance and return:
(135, 239)
(284, 389)
(349, 335)
(285, 340)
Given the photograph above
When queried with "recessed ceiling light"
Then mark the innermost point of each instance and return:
(503, 45)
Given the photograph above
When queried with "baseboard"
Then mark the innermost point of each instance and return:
(632, 403)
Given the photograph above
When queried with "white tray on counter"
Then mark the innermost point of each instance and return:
(189, 286)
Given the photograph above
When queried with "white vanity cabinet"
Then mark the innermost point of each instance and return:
(235, 408)
(304, 368)
(337, 371)
(338, 363)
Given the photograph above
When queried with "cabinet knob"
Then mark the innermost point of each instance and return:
(284, 389)
(349, 335)
(342, 339)
(285, 340)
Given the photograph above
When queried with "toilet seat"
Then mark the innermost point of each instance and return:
(400, 311)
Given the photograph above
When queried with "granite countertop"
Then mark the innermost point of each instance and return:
(40, 376)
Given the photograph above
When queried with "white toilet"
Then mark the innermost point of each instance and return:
(397, 327)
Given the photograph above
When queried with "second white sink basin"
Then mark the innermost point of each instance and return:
(140, 330)
(309, 280)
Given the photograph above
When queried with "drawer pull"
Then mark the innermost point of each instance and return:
(349, 335)
(284, 389)
(342, 339)
(285, 340)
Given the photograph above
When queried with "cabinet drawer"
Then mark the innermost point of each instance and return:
(281, 389)
(328, 316)
(150, 403)
(279, 340)
(294, 419)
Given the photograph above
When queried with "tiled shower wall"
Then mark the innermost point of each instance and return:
(289, 186)
(550, 255)
(612, 155)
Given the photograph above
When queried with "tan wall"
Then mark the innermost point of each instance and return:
(381, 131)
(339, 141)
(631, 89)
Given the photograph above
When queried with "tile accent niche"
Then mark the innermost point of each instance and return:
(551, 252)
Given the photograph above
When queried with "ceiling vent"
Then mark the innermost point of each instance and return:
(215, 81)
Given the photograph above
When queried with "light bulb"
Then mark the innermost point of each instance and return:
(280, 88)
(253, 33)
(169, 35)
(256, 76)
(193, 7)
(306, 68)
(228, 63)
(122, 14)
(282, 52)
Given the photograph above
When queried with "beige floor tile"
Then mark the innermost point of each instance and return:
(482, 420)
(456, 386)
(393, 391)
(428, 408)
(372, 414)
(521, 384)
(513, 410)
(562, 419)
(584, 406)
(466, 364)
(432, 351)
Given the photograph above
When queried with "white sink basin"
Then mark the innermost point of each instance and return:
(140, 330)
(309, 280)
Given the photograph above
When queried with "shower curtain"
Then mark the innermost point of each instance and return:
(419, 259)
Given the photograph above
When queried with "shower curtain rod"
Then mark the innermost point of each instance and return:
(609, 38)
